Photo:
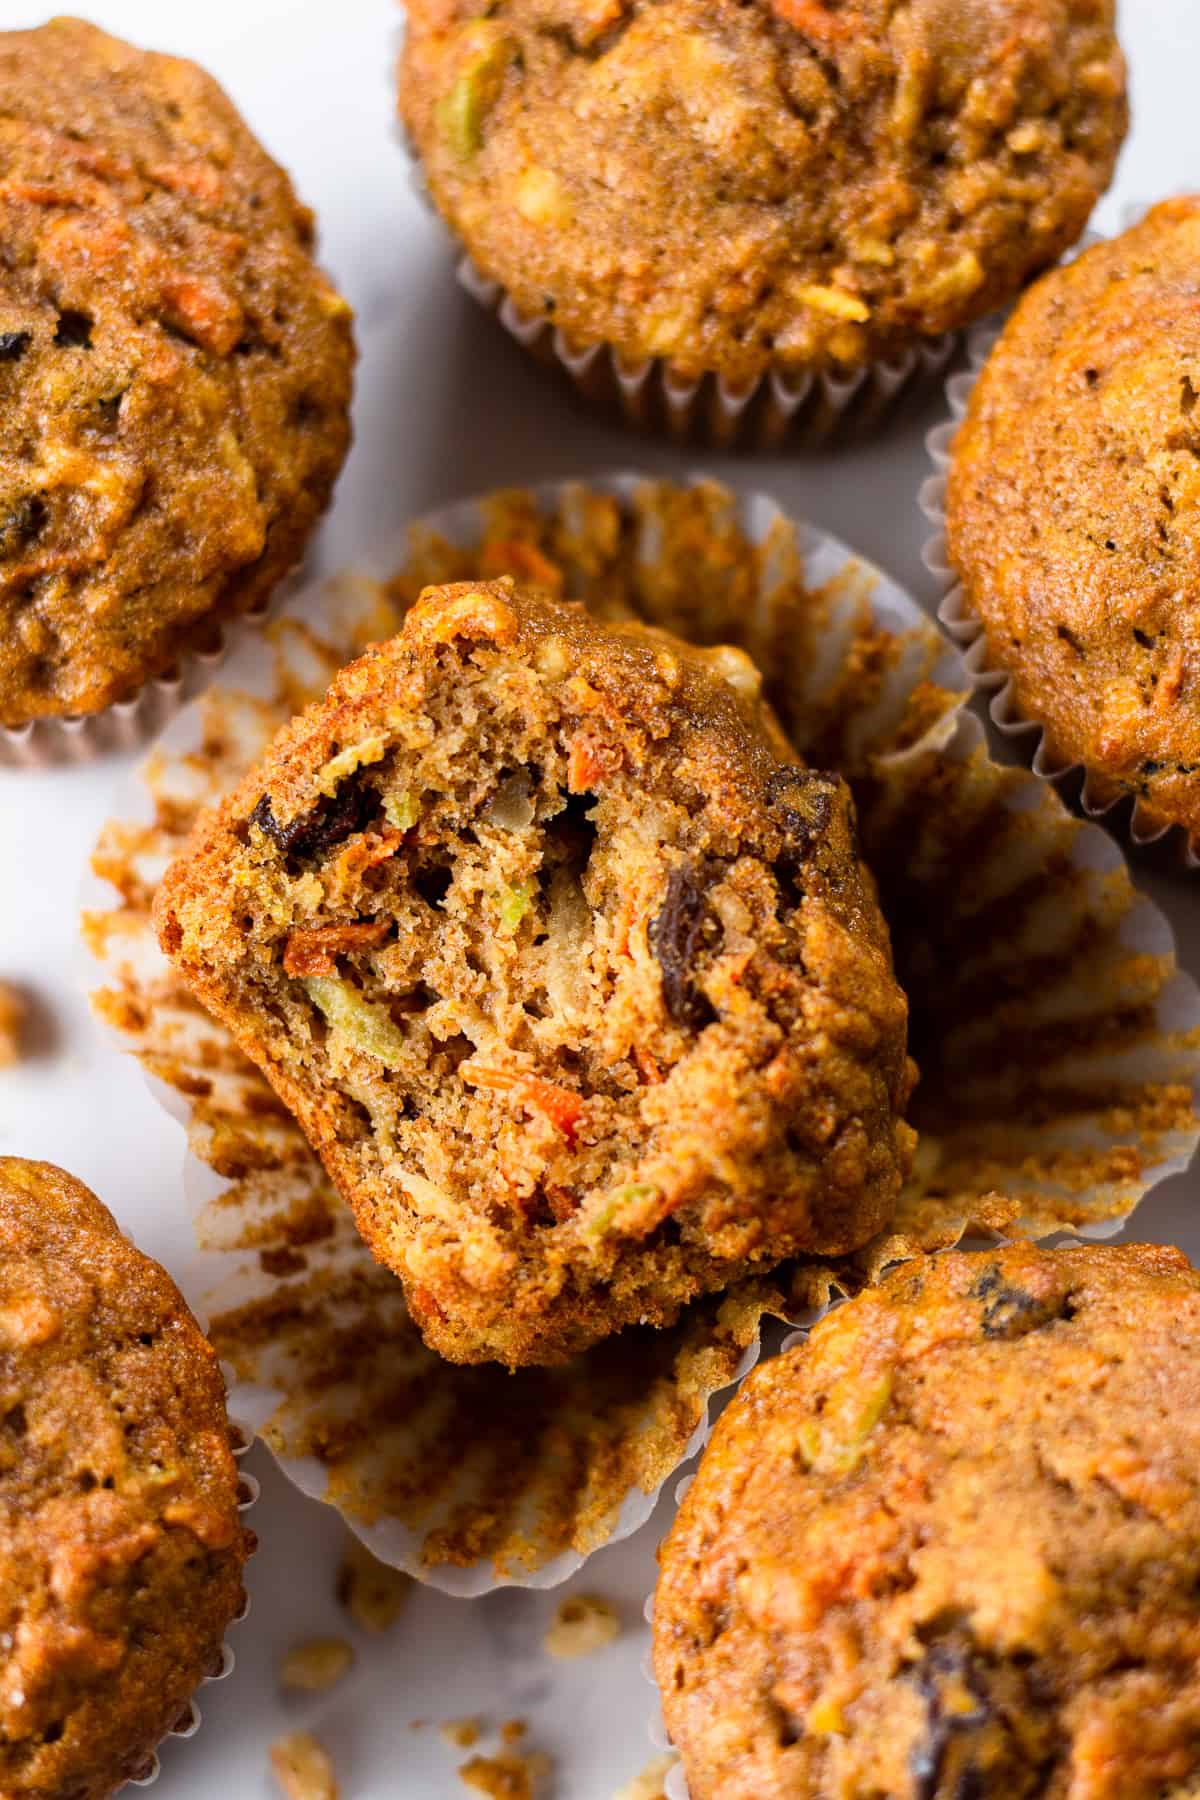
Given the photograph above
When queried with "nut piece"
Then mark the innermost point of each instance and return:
(303, 1767)
(583, 1623)
(373, 1594)
(12, 1024)
(460, 1734)
(317, 1665)
(651, 1784)
(506, 1777)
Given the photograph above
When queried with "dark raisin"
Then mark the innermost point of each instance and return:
(329, 823)
(1144, 638)
(1012, 1313)
(683, 930)
(946, 1665)
(74, 330)
(1150, 767)
(14, 344)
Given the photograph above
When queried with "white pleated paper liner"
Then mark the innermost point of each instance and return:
(1059, 1040)
(190, 1719)
(128, 724)
(808, 407)
(1099, 798)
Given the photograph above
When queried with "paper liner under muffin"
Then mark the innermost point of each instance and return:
(1061, 1045)
(128, 724)
(1099, 796)
(241, 1438)
(806, 407)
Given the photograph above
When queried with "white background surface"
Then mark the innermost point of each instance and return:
(446, 406)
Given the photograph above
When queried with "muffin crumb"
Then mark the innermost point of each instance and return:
(512, 1731)
(583, 1624)
(13, 1014)
(316, 1666)
(303, 1767)
(460, 1734)
(372, 1593)
(506, 1777)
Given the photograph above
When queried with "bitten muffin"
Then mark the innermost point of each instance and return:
(575, 983)
(950, 1547)
(121, 1548)
(1073, 509)
(784, 184)
(175, 372)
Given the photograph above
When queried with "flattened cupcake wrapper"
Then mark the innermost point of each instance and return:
(58, 743)
(1060, 1044)
(806, 408)
(191, 1718)
(1099, 798)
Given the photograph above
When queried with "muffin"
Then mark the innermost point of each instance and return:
(950, 1547)
(1072, 510)
(571, 975)
(175, 372)
(121, 1548)
(785, 185)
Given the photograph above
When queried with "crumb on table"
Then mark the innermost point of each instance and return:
(506, 1777)
(315, 1666)
(460, 1734)
(303, 1767)
(373, 1594)
(512, 1731)
(12, 1024)
(583, 1623)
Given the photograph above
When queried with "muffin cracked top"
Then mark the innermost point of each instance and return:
(783, 183)
(175, 371)
(950, 1547)
(121, 1547)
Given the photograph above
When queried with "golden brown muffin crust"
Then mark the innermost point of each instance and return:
(174, 370)
(121, 1548)
(950, 1547)
(1073, 509)
(576, 984)
(788, 183)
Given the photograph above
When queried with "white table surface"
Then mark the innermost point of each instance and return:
(446, 406)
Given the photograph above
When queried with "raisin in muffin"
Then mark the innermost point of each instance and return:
(1072, 511)
(573, 979)
(780, 185)
(951, 1545)
(175, 372)
(121, 1547)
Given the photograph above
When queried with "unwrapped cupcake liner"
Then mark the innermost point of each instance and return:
(241, 1438)
(1097, 796)
(809, 407)
(1060, 1043)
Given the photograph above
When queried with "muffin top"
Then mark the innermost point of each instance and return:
(790, 183)
(174, 370)
(1074, 505)
(121, 1548)
(569, 970)
(950, 1547)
